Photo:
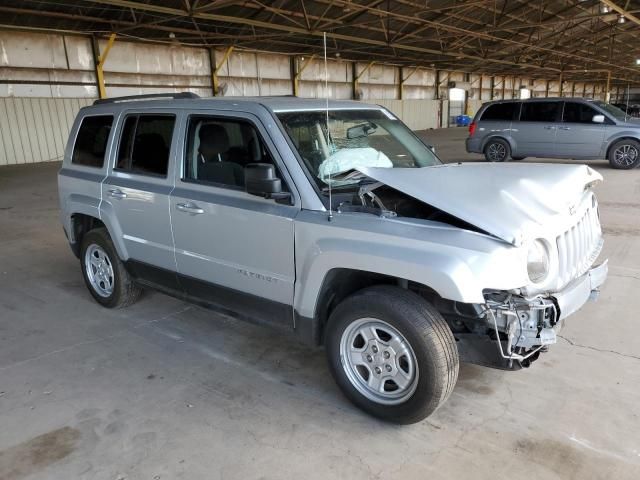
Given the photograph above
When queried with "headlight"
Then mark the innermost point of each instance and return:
(538, 261)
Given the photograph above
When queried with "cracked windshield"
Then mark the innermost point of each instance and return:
(355, 139)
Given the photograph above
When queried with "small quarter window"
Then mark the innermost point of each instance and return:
(145, 144)
(91, 142)
(500, 111)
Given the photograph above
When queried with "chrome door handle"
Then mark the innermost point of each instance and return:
(565, 128)
(191, 208)
(117, 193)
(549, 127)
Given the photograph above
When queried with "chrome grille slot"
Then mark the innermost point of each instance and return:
(578, 246)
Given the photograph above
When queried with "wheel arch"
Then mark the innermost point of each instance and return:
(340, 282)
(498, 136)
(81, 222)
(613, 141)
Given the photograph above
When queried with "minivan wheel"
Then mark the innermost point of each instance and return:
(392, 354)
(104, 274)
(497, 151)
(625, 154)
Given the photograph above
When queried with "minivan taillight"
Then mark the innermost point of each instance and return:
(472, 128)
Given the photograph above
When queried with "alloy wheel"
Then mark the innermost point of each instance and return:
(496, 152)
(625, 155)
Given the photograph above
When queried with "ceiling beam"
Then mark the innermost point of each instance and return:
(291, 29)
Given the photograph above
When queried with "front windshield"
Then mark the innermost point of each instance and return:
(612, 110)
(356, 138)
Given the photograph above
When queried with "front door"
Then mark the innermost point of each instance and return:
(578, 135)
(136, 191)
(233, 250)
(535, 133)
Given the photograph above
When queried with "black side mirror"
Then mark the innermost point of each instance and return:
(260, 179)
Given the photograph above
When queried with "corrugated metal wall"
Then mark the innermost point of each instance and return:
(36, 129)
(46, 78)
(417, 114)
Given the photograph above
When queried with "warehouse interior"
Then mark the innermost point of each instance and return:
(166, 389)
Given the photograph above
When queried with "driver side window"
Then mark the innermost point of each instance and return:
(575, 112)
(218, 150)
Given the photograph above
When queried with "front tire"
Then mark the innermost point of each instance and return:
(625, 154)
(104, 274)
(497, 150)
(392, 354)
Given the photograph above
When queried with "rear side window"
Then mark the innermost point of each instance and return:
(539, 111)
(145, 144)
(500, 111)
(575, 112)
(91, 142)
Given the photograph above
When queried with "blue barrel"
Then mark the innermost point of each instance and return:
(463, 120)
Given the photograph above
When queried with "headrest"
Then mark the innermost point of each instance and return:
(213, 140)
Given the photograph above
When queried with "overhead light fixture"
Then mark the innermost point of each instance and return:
(621, 19)
(637, 61)
(604, 8)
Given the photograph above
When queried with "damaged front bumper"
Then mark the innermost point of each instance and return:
(521, 328)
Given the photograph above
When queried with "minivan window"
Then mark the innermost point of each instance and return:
(612, 110)
(145, 144)
(91, 142)
(500, 111)
(575, 112)
(539, 111)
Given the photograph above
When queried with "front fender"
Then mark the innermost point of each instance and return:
(457, 264)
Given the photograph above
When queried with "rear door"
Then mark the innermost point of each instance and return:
(496, 119)
(136, 192)
(578, 135)
(233, 250)
(535, 132)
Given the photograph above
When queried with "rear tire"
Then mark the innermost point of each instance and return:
(392, 354)
(625, 154)
(104, 274)
(497, 150)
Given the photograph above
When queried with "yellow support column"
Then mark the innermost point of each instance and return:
(99, 63)
(298, 74)
(216, 68)
(402, 80)
(357, 77)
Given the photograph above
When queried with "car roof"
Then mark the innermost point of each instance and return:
(274, 104)
(542, 99)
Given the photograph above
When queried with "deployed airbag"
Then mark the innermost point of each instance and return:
(347, 159)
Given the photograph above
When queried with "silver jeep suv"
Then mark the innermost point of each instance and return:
(574, 128)
(336, 223)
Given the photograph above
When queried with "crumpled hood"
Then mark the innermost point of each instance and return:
(511, 201)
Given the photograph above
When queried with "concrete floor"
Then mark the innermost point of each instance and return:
(166, 390)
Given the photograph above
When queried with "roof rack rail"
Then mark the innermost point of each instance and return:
(149, 96)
